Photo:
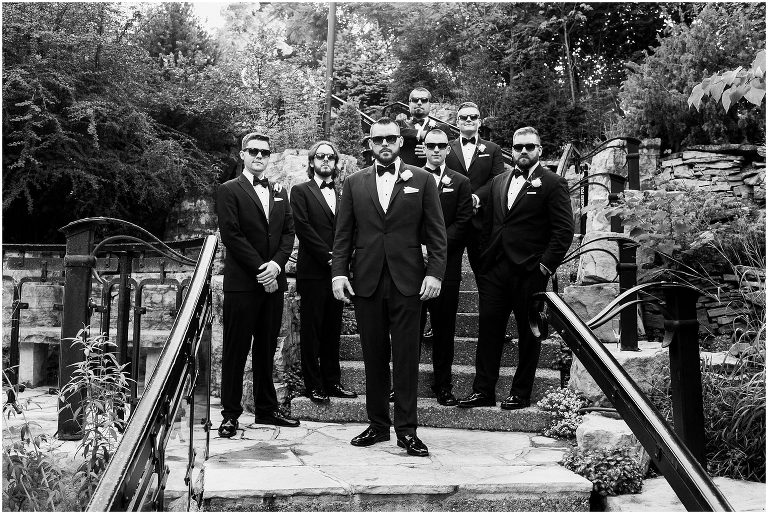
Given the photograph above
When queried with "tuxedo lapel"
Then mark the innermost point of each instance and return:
(370, 185)
(321, 199)
(271, 198)
(399, 184)
(248, 187)
(477, 151)
(459, 153)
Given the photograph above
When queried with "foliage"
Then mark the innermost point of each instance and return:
(346, 132)
(104, 384)
(564, 405)
(171, 29)
(612, 472)
(733, 85)
(654, 95)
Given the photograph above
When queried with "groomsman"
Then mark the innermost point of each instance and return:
(314, 215)
(386, 212)
(481, 161)
(256, 228)
(456, 202)
(529, 228)
(414, 129)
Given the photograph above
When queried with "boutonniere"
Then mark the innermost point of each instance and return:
(446, 180)
(536, 182)
(277, 187)
(432, 124)
(481, 147)
(405, 175)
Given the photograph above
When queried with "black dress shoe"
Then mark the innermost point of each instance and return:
(476, 400)
(391, 396)
(318, 396)
(337, 391)
(515, 402)
(445, 397)
(228, 428)
(412, 445)
(369, 437)
(277, 419)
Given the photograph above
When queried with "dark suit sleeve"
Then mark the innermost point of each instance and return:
(309, 239)
(434, 230)
(457, 230)
(345, 230)
(561, 222)
(231, 234)
(497, 168)
(288, 234)
(487, 230)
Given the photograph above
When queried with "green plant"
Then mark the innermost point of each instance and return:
(611, 472)
(104, 383)
(731, 86)
(564, 405)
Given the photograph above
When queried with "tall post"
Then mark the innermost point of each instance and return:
(78, 265)
(687, 403)
(331, 42)
(633, 164)
(627, 270)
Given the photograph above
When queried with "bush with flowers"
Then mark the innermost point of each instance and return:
(564, 405)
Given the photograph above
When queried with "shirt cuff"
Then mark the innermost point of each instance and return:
(337, 277)
(477, 199)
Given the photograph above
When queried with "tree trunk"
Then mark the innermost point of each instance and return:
(569, 65)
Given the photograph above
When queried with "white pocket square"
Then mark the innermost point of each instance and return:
(408, 190)
(278, 199)
(483, 155)
(448, 190)
(530, 192)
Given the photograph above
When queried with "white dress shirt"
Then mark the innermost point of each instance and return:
(261, 191)
(386, 183)
(515, 185)
(468, 150)
(328, 193)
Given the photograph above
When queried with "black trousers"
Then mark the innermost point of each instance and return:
(442, 312)
(251, 322)
(388, 313)
(474, 250)
(319, 332)
(504, 290)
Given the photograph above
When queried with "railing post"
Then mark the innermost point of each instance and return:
(78, 265)
(627, 270)
(633, 164)
(584, 201)
(13, 370)
(123, 311)
(617, 187)
(684, 367)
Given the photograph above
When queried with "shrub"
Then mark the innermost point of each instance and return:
(564, 405)
(612, 472)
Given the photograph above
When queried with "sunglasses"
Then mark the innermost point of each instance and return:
(471, 117)
(432, 146)
(529, 147)
(323, 156)
(416, 100)
(378, 140)
(258, 152)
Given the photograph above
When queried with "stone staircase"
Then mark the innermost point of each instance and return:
(430, 413)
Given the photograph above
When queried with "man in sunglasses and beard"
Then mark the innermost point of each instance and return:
(528, 227)
(480, 160)
(387, 211)
(256, 226)
(414, 129)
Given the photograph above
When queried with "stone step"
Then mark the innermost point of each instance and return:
(464, 351)
(353, 377)
(430, 414)
(468, 301)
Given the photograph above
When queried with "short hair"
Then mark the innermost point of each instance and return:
(436, 131)
(386, 121)
(464, 105)
(422, 89)
(527, 130)
(251, 136)
(311, 156)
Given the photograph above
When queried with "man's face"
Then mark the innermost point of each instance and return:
(419, 104)
(324, 161)
(385, 142)
(526, 149)
(468, 120)
(432, 145)
(254, 160)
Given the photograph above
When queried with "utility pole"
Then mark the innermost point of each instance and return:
(331, 41)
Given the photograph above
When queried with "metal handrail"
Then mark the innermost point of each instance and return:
(140, 457)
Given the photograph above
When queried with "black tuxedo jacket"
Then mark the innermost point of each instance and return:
(315, 227)
(487, 163)
(414, 215)
(456, 203)
(249, 239)
(411, 138)
(537, 229)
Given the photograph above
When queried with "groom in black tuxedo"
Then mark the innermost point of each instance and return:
(256, 228)
(386, 212)
(528, 229)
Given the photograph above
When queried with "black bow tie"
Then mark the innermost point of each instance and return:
(517, 172)
(329, 185)
(262, 182)
(435, 171)
(465, 141)
(380, 170)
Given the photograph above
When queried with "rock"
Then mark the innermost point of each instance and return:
(41, 298)
(612, 159)
(596, 266)
(192, 217)
(642, 366)
(587, 301)
(600, 432)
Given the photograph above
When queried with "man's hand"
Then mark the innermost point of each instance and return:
(271, 287)
(340, 286)
(430, 288)
(475, 204)
(270, 272)
(420, 152)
